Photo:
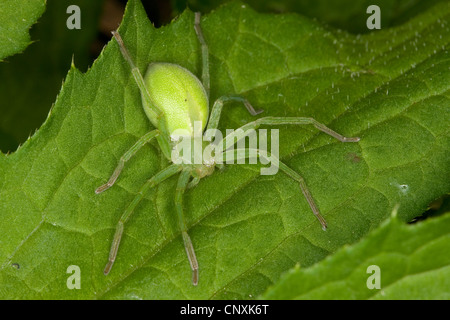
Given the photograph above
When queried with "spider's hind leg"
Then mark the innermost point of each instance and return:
(248, 153)
(157, 178)
(183, 182)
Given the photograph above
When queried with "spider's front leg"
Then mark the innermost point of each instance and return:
(181, 188)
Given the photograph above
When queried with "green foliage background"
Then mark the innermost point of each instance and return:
(390, 87)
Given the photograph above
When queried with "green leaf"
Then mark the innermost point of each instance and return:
(16, 18)
(412, 263)
(390, 87)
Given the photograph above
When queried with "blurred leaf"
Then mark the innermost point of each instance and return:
(349, 15)
(16, 18)
(412, 263)
(31, 81)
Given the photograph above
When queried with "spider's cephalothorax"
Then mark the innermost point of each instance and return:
(175, 99)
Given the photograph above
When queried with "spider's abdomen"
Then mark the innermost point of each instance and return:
(179, 94)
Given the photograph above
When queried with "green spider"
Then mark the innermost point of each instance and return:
(173, 98)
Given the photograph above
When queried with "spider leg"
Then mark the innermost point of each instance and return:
(135, 148)
(163, 138)
(216, 111)
(218, 104)
(297, 177)
(136, 73)
(232, 138)
(181, 188)
(205, 53)
(246, 153)
(157, 178)
(193, 182)
(240, 133)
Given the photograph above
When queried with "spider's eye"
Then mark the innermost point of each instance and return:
(179, 94)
